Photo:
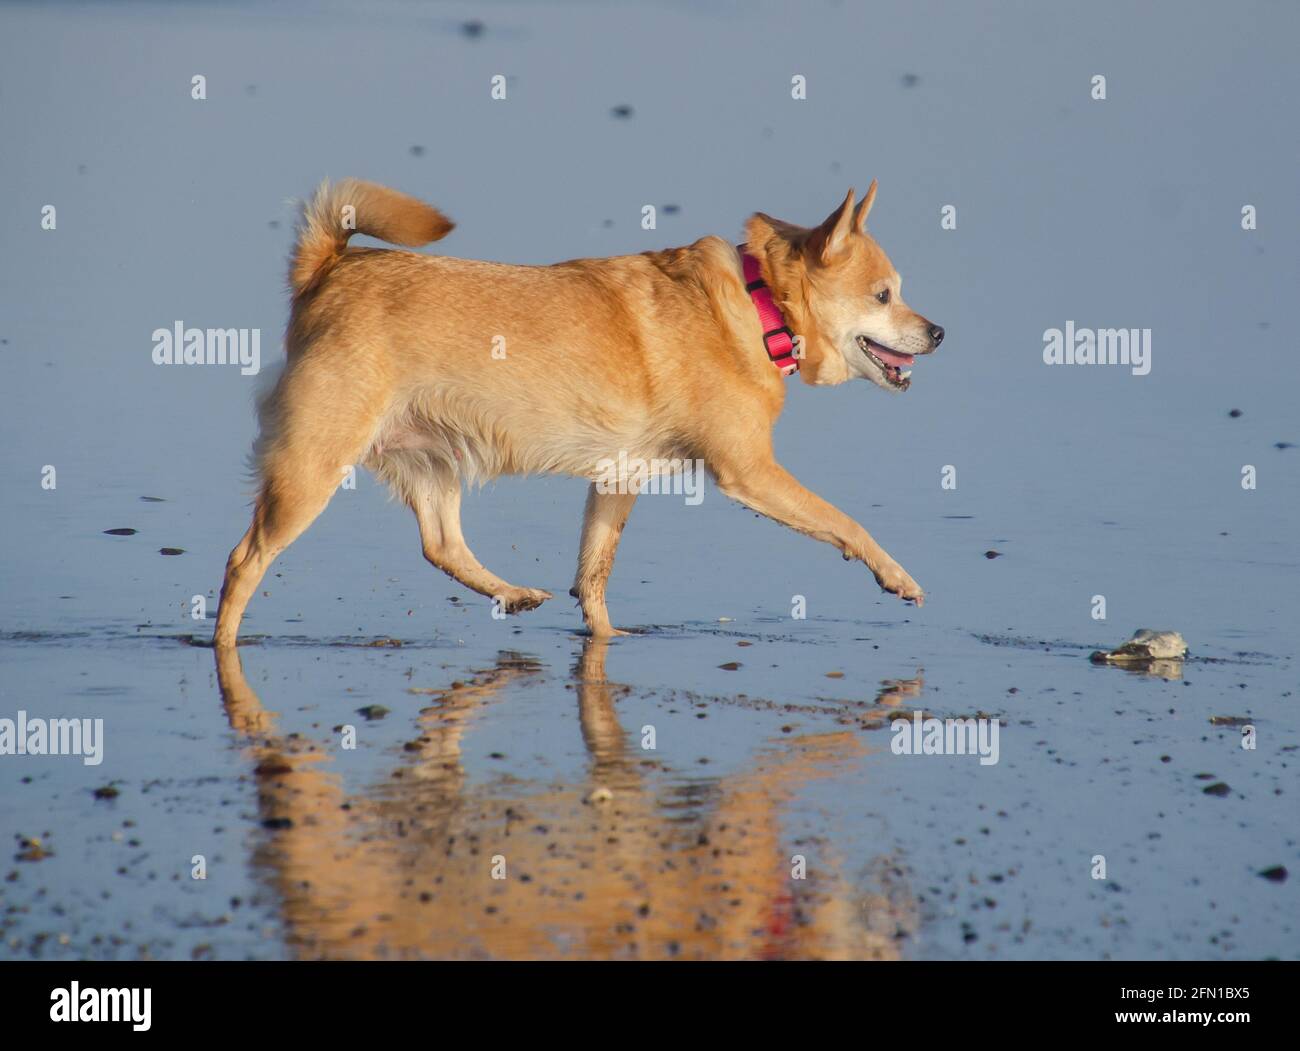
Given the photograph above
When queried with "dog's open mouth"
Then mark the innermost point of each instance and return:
(890, 362)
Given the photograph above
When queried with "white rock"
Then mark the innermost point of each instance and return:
(1148, 645)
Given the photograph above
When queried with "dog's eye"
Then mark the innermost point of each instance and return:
(883, 297)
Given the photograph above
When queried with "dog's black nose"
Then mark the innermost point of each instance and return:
(936, 334)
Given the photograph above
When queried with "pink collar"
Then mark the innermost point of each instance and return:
(778, 339)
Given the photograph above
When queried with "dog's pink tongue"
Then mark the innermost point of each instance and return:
(889, 357)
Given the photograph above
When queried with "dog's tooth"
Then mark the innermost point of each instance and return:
(904, 374)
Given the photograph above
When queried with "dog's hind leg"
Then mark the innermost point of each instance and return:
(602, 526)
(301, 464)
(287, 504)
(437, 509)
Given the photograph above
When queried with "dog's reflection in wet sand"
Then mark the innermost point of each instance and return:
(630, 864)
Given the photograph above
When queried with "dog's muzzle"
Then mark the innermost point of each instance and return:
(890, 362)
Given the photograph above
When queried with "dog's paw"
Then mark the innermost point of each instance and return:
(520, 600)
(894, 579)
(605, 631)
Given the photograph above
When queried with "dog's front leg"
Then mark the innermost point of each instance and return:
(771, 490)
(602, 525)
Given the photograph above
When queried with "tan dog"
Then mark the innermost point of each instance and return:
(657, 356)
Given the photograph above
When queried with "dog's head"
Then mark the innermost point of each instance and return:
(843, 296)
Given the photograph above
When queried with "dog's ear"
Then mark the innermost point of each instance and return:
(864, 207)
(831, 239)
(762, 230)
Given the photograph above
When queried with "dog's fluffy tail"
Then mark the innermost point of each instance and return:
(352, 206)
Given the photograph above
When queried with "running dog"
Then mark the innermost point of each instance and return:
(434, 372)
